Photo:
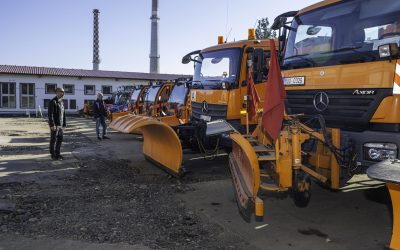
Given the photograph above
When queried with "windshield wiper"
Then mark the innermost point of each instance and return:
(354, 49)
(346, 48)
(303, 58)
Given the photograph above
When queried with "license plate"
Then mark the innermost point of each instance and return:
(293, 81)
(206, 118)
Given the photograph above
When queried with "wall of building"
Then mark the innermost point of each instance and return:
(30, 103)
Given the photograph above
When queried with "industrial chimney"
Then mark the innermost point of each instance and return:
(96, 56)
(154, 56)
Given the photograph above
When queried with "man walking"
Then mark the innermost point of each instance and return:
(57, 123)
(100, 113)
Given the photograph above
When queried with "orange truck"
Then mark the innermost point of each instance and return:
(340, 59)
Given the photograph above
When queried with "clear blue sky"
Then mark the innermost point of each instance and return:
(58, 33)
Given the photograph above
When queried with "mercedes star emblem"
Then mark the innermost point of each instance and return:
(321, 101)
(204, 107)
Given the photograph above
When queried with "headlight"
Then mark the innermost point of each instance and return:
(379, 151)
(388, 50)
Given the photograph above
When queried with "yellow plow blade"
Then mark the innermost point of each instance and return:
(161, 144)
(127, 123)
(118, 114)
(245, 171)
(170, 120)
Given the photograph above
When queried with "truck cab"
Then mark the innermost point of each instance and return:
(219, 86)
(340, 60)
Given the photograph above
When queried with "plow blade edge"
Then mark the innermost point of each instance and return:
(161, 145)
(245, 171)
(128, 123)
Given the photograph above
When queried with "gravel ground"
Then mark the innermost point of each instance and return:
(104, 199)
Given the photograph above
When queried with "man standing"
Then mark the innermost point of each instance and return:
(57, 123)
(100, 113)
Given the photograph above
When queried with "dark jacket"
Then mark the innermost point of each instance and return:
(99, 108)
(54, 113)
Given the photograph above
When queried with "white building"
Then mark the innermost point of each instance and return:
(27, 89)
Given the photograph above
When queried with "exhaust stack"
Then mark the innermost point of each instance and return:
(154, 56)
(96, 47)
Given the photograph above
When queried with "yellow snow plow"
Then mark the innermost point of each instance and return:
(160, 141)
(153, 104)
(217, 92)
(135, 102)
(259, 165)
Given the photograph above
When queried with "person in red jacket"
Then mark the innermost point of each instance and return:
(57, 123)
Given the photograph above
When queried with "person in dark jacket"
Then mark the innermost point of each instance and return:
(57, 123)
(100, 113)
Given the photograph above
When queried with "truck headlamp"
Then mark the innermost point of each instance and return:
(379, 151)
(388, 50)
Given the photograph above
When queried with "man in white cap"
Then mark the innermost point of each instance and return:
(100, 113)
(57, 123)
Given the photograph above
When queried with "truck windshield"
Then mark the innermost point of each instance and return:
(121, 98)
(216, 67)
(135, 95)
(152, 93)
(178, 95)
(346, 32)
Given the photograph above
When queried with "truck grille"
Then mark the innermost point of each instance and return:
(214, 110)
(345, 110)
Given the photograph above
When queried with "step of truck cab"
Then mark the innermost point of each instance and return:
(266, 156)
(258, 148)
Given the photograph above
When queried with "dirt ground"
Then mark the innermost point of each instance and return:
(105, 195)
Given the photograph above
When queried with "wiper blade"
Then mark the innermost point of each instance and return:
(354, 49)
(303, 58)
(346, 48)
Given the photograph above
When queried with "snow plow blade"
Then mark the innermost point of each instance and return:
(117, 114)
(245, 171)
(161, 145)
(128, 123)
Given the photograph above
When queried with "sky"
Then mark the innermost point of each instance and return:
(59, 33)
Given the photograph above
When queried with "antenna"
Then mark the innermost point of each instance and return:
(227, 36)
(227, 21)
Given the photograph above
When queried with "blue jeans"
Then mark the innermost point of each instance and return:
(101, 120)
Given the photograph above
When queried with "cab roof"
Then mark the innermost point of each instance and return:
(263, 43)
(318, 5)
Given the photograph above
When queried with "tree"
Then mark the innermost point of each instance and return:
(263, 31)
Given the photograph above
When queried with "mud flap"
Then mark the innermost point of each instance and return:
(245, 171)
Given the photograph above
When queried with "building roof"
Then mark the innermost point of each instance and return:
(44, 71)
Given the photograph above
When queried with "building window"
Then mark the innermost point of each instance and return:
(89, 102)
(7, 95)
(46, 103)
(65, 102)
(69, 89)
(107, 90)
(90, 89)
(27, 95)
(50, 88)
(72, 104)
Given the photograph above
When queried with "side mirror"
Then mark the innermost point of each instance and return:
(258, 64)
(279, 22)
(313, 30)
(186, 59)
